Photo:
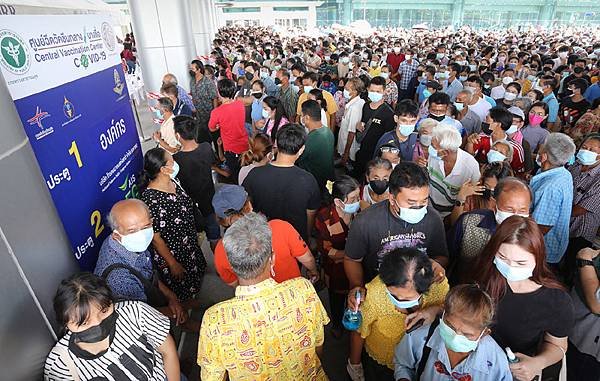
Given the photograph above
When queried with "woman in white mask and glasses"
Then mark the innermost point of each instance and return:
(534, 313)
(455, 346)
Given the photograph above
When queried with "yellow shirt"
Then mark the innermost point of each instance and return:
(268, 331)
(332, 106)
(374, 72)
(383, 326)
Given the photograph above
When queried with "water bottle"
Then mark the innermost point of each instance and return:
(512, 359)
(353, 318)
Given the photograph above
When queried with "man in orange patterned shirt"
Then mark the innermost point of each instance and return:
(268, 331)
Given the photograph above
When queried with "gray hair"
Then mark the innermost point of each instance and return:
(170, 78)
(428, 122)
(247, 243)
(111, 218)
(524, 103)
(468, 92)
(507, 144)
(559, 148)
(447, 136)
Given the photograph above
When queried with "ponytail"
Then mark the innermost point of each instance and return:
(258, 147)
(154, 160)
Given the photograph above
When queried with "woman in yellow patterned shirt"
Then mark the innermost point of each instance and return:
(398, 298)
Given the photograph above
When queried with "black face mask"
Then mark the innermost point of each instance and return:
(257, 95)
(277, 81)
(485, 127)
(341, 88)
(378, 186)
(578, 70)
(487, 193)
(192, 73)
(99, 332)
(438, 118)
(249, 76)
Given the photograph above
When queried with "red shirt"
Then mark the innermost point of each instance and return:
(287, 246)
(394, 60)
(230, 119)
(481, 149)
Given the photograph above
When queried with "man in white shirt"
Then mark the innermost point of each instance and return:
(347, 145)
(449, 168)
(165, 137)
(478, 104)
(507, 78)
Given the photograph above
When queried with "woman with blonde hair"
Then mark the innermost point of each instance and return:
(259, 153)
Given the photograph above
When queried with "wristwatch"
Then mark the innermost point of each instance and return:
(458, 203)
(583, 262)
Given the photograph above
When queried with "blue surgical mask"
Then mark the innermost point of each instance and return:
(513, 274)
(433, 153)
(404, 304)
(459, 106)
(307, 89)
(425, 140)
(158, 114)
(586, 157)
(494, 156)
(571, 160)
(462, 78)
(375, 97)
(175, 169)
(512, 129)
(137, 242)
(454, 341)
(406, 129)
(413, 216)
(426, 93)
(352, 208)
(265, 114)
(346, 94)
(384, 75)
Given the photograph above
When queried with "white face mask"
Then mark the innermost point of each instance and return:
(137, 242)
(502, 215)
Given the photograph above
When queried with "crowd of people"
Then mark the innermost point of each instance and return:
(445, 184)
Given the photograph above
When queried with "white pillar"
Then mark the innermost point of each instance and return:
(203, 28)
(163, 40)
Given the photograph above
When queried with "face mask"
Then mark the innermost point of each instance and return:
(512, 129)
(379, 187)
(433, 153)
(487, 193)
(265, 114)
(509, 96)
(502, 215)
(249, 76)
(471, 89)
(99, 332)
(352, 208)
(439, 118)
(346, 94)
(459, 106)
(531, 78)
(506, 80)
(586, 157)
(384, 75)
(494, 156)
(486, 86)
(277, 67)
(175, 170)
(307, 89)
(439, 56)
(158, 114)
(426, 93)
(375, 97)
(396, 50)
(264, 74)
(462, 78)
(425, 140)
(454, 341)
(472, 67)
(408, 57)
(137, 242)
(563, 55)
(406, 129)
(485, 127)
(535, 119)
(257, 95)
(513, 274)
(402, 304)
(413, 216)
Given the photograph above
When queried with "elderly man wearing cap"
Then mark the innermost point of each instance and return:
(231, 202)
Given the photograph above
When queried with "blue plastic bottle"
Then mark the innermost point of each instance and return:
(353, 318)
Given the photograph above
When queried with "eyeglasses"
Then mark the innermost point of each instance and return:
(392, 150)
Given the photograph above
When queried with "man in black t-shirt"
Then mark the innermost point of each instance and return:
(282, 190)
(575, 105)
(405, 220)
(195, 173)
(381, 117)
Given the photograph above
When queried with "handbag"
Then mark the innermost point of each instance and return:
(360, 135)
(154, 296)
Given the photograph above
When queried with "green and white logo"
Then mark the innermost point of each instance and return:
(14, 54)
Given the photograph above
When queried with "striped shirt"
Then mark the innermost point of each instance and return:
(407, 71)
(586, 193)
(132, 355)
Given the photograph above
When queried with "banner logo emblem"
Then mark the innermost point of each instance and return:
(37, 120)
(119, 86)
(68, 108)
(108, 36)
(14, 55)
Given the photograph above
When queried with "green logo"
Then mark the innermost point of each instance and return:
(85, 61)
(14, 55)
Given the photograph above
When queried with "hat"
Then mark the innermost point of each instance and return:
(434, 85)
(517, 112)
(229, 198)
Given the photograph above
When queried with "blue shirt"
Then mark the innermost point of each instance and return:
(453, 88)
(406, 147)
(552, 103)
(487, 363)
(185, 97)
(123, 283)
(552, 204)
(592, 92)
(257, 110)
(490, 100)
(420, 89)
(270, 86)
